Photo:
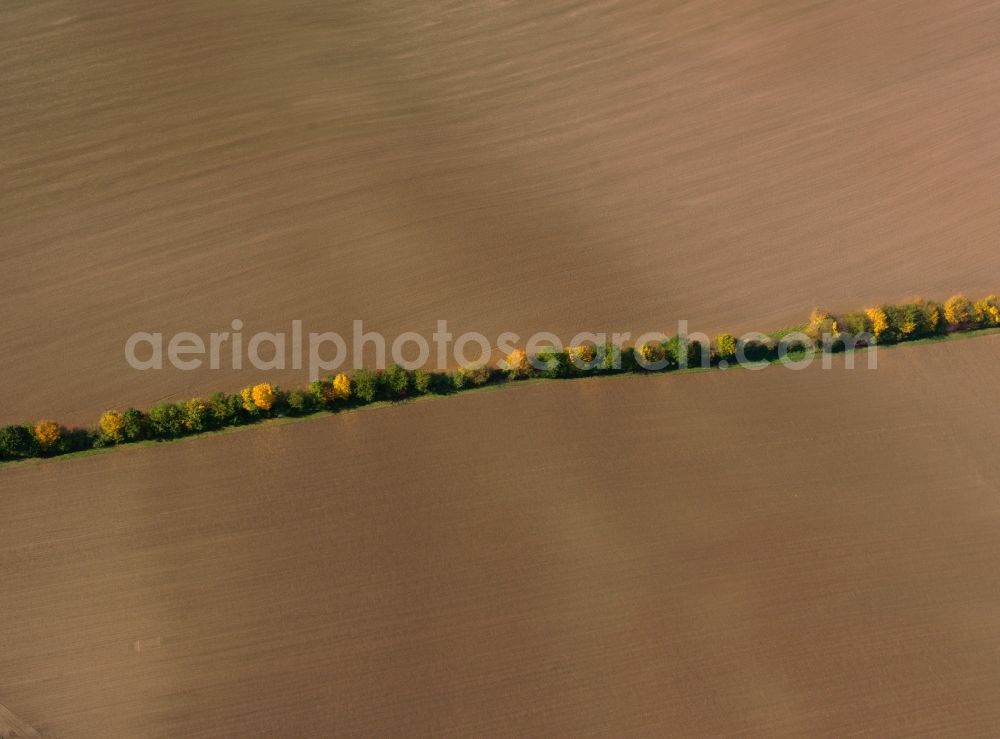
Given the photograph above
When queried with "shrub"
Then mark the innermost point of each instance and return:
(341, 387)
(166, 420)
(47, 434)
(473, 376)
(760, 350)
(77, 440)
(263, 396)
(440, 383)
(518, 366)
(112, 426)
(397, 381)
(17, 442)
(366, 385)
(554, 364)
(280, 405)
(725, 345)
(793, 345)
(627, 357)
(683, 352)
(301, 402)
(195, 415)
(609, 358)
(699, 355)
(319, 394)
(958, 311)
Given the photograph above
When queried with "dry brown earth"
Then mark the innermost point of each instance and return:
(776, 554)
(605, 165)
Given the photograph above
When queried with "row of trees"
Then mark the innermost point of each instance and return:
(884, 324)
(891, 324)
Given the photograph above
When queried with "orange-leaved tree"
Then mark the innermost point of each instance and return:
(47, 433)
(264, 396)
(112, 426)
(878, 319)
(517, 363)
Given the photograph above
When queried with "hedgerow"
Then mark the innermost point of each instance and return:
(881, 324)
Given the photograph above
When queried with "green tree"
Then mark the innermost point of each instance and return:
(17, 442)
(855, 323)
(134, 425)
(554, 364)
(422, 381)
(320, 392)
(226, 410)
(366, 385)
(479, 375)
(300, 402)
(397, 381)
(166, 420)
(195, 415)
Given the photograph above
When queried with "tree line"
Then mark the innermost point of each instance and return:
(885, 324)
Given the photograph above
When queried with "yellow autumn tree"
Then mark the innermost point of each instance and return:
(476, 375)
(264, 396)
(958, 310)
(987, 311)
(725, 345)
(246, 396)
(113, 426)
(517, 364)
(651, 352)
(47, 433)
(909, 323)
(195, 414)
(581, 356)
(932, 315)
(821, 324)
(342, 386)
(878, 319)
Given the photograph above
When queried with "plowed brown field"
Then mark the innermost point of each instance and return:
(567, 166)
(775, 554)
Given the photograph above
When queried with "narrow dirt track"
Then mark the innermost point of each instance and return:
(11, 727)
(775, 554)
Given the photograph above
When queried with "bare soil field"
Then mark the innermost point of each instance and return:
(775, 553)
(566, 166)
